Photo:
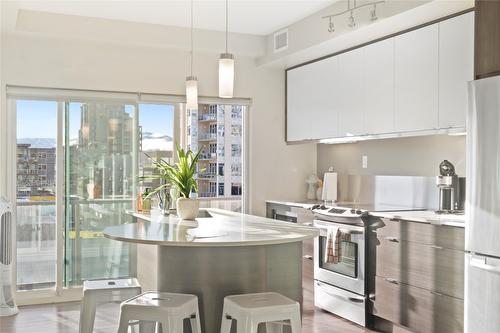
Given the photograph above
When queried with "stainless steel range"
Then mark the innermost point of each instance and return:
(340, 287)
(344, 287)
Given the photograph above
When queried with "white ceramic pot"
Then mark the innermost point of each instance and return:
(187, 209)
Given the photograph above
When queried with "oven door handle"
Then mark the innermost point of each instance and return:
(359, 299)
(324, 231)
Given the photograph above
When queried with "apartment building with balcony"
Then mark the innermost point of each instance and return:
(216, 130)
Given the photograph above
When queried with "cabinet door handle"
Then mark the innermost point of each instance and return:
(391, 280)
(436, 293)
(308, 224)
(437, 247)
(392, 239)
(308, 257)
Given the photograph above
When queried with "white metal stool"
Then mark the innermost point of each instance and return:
(97, 292)
(168, 309)
(249, 310)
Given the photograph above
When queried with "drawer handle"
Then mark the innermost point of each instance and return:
(308, 224)
(392, 239)
(347, 298)
(437, 247)
(436, 293)
(308, 257)
(391, 280)
(356, 299)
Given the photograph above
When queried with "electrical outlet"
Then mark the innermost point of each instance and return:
(364, 161)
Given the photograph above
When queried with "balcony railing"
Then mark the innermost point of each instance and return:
(207, 136)
(207, 156)
(207, 117)
(207, 194)
(88, 255)
(207, 175)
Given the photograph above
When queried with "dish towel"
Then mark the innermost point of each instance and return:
(333, 250)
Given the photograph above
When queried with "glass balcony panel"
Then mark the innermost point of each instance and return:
(35, 187)
(100, 186)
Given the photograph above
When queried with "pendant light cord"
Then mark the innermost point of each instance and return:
(191, 53)
(227, 2)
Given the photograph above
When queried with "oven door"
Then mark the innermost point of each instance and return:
(349, 272)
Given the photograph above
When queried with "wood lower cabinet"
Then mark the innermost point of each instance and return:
(424, 233)
(418, 309)
(419, 275)
(430, 267)
(300, 215)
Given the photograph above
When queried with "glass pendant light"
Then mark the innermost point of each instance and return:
(226, 69)
(191, 80)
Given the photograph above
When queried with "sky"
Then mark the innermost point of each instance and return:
(37, 119)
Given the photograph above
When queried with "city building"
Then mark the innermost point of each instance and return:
(101, 161)
(216, 130)
(35, 170)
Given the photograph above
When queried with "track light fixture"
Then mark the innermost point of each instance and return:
(351, 21)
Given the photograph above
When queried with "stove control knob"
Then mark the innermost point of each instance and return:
(359, 212)
(353, 211)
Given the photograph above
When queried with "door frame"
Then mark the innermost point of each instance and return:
(59, 293)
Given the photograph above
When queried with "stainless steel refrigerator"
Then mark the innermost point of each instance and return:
(482, 231)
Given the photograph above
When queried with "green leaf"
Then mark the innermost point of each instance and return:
(181, 175)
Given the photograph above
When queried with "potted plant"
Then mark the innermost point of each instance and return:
(181, 176)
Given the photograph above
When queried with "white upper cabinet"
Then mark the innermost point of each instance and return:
(378, 69)
(456, 68)
(298, 117)
(325, 94)
(311, 91)
(351, 93)
(416, 79)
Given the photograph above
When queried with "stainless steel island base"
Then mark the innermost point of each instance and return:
(212, 273)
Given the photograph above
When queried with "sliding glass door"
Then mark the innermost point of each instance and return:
(77, 157)
(100, 170)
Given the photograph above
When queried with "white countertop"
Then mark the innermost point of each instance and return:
(299, 203)
(225, 228)
(425, 216)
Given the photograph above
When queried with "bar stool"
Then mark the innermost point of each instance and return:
(250, 310)
(97, 292)
(168, 309)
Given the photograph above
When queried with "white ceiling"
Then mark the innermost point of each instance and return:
(256, 17)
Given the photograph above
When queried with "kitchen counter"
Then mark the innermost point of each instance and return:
(425, 216)
(220, 253)
(306, 204)
(223, 228)
(422, 215)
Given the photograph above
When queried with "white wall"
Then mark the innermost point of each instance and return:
(275, 169)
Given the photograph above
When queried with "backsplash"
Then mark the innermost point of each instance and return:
(412, 156)
(389, 192)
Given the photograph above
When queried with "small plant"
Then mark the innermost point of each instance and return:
(181, 175)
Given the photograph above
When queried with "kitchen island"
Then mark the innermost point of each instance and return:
(220, 254)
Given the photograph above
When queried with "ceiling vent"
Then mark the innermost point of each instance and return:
(281, 40)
